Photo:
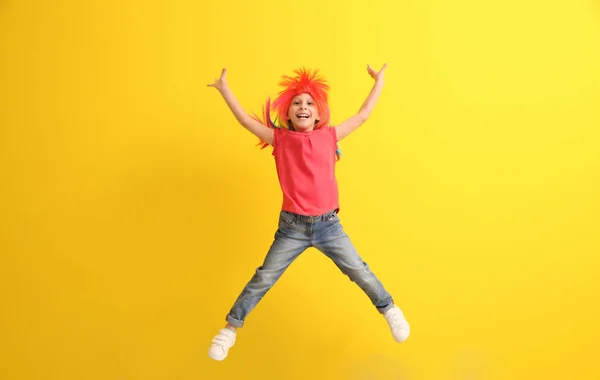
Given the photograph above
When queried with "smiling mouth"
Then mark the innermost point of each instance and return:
(302, 116)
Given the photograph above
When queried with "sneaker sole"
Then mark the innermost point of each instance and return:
(217, 358)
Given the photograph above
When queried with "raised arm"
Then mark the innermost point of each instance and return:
(350, 125)
(261, 131)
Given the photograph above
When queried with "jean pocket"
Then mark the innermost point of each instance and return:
(286, 219)
(333, 216)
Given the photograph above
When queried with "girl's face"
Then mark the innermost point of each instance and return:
(303, 113)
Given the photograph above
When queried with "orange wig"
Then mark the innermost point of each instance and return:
(305, 81)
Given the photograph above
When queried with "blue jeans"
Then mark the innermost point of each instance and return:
(295, 234)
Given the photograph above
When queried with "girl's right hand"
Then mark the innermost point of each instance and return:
(221, 82)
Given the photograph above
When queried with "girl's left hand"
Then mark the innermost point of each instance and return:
(377, 75)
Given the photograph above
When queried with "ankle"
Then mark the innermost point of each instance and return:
(231, 328)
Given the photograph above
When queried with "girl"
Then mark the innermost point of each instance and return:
(305, 152)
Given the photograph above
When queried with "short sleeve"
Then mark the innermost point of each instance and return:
(277, 136)
(333, 133)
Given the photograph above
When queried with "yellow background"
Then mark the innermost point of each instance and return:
(134, 208)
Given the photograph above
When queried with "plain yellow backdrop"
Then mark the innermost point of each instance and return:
(134, 208)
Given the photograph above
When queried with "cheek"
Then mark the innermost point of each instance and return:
(316, 113)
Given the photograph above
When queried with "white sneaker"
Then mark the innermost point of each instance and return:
(221, 344)
(398, 324)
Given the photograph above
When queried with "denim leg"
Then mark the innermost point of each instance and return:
(335, 244)
(286, 247)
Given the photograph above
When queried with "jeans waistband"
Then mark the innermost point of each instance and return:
(312, 219)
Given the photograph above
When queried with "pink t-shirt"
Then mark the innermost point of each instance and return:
(305, 164)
